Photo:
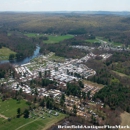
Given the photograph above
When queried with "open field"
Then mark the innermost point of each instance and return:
(92, 84)
(36, 123)
(57, 38)
(115, 44)
(57, 58)
(5, 52)
(51, 38)
(125, 120)
(121, 74)
(32, 34)
(8, 108)
(92, 40)
(40, 119)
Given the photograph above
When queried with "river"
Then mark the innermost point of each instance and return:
(26, 60)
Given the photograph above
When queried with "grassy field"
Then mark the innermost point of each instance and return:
(92, 40)
(57, 39)
(9, 107)
(40, 119)
(57, 58)
(125, 120)
(33, 34)
(32, 124)
(115, 44)
(5, 52)
(121, 74)
(51, 38)
(92, 84)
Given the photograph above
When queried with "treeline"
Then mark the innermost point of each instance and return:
(7, 70)
(75, 89)
(21, 45)
(115, 96)
(115, 28)
(121, 64)
(116, 92)
(62, 50)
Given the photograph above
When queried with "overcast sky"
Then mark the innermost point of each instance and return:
(64, 5)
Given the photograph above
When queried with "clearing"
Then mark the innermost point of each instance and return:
(121, 74)
(93, 84)
(92, 40)
(5, 52)
(125, 120)
(8, 108)
(39, 119)
(33, 34)
(57, 38)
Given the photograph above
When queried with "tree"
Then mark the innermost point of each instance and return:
(83, 95)
(11, 57)
(18, 112)
(74, 110)
(88, 94)
(26, 113)
(40, 74)
(42, 103)
(81, 84)
(62, 100)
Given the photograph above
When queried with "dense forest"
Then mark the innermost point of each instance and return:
(21, 45)
(6, 71)
(111, 73)
(112, 27)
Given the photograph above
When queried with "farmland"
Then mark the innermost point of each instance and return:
(5, 52)
(57, 38)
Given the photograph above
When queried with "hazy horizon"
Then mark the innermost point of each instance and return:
(58, 5)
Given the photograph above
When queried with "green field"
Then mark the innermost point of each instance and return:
(92, 40)
(9, 107)
(57, 58)
(121, 74)
(33, 34)
(31, 124)
(57, 38)
(39, 120)
(5, 52)
(115, 44)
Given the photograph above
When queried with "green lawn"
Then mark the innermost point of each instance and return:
(116, 44)
(92, 40)
(32, 124)
(5, 52)
(121, 74)
(113, 43)
(33, 34)
(9, 107)
(57, 58)
(57, 38)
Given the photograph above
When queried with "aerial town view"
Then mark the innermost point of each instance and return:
(64, 65)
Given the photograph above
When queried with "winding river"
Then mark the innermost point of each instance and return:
(26, 60)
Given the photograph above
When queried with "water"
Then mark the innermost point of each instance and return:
(26, 60)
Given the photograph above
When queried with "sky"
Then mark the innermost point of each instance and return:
(64, 5)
